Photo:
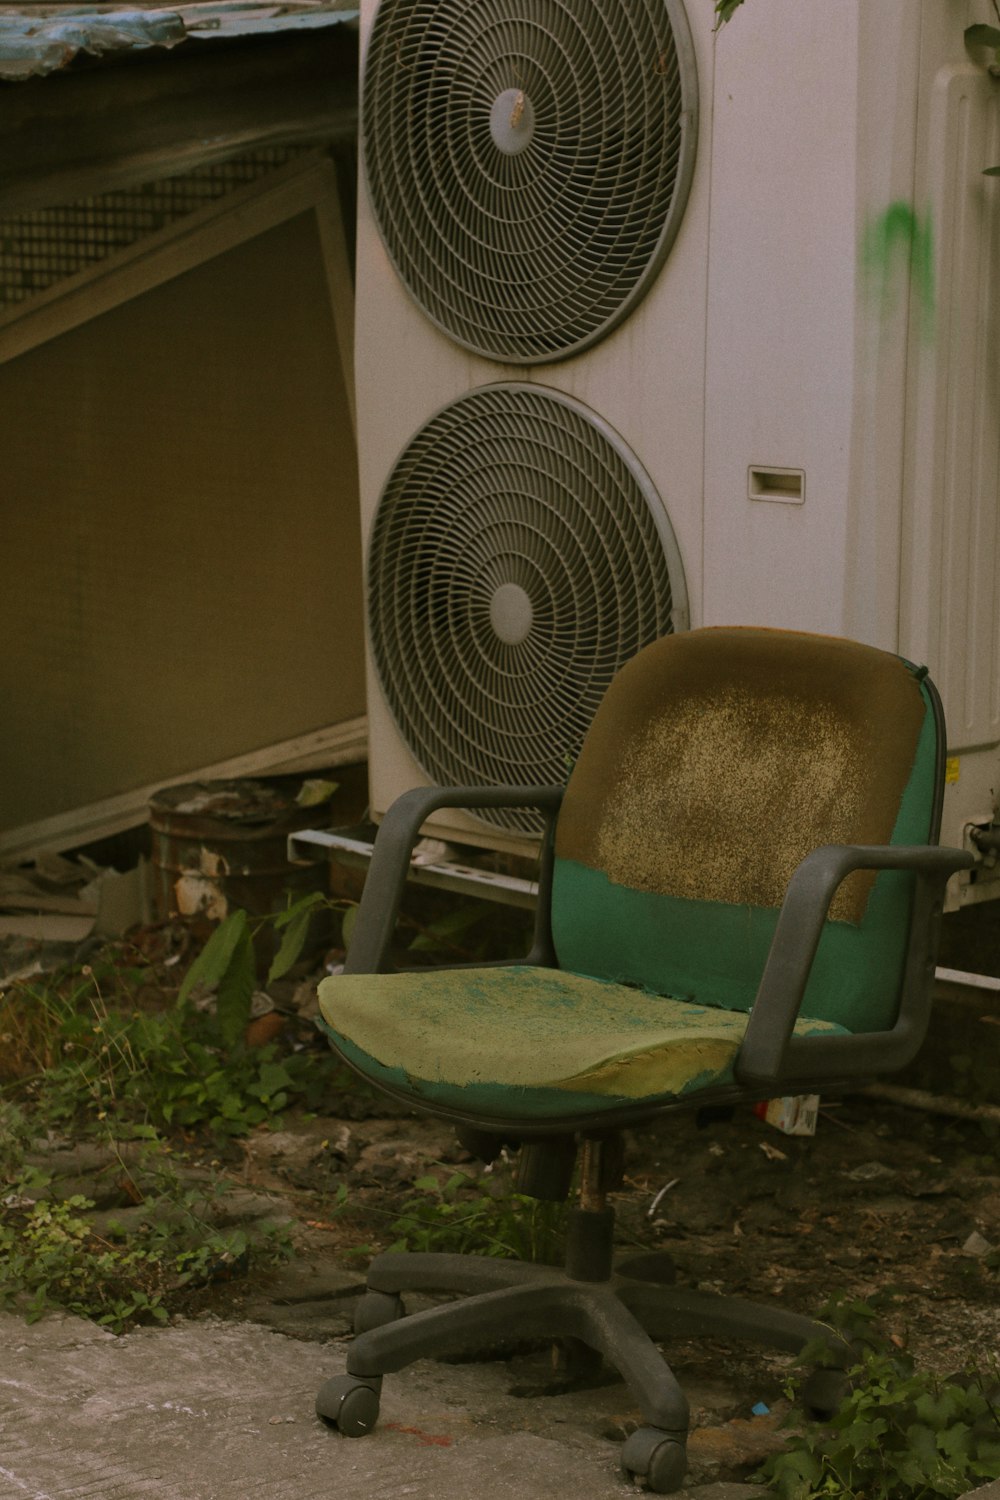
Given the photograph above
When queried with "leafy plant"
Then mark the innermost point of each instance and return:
(900, 1434)
(463, 1216)
(103, 1067)
(51, 1256)
(14, 1136)
(227, 964)
(81, 1050)
(469, 931)
(984, 42)
(442, 936)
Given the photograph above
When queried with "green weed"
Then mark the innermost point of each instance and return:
(466, 1216)
(15, 1133)
(227, 965)
(900, 1434)
(113, 1067)
(106, 1051)
(52, 1257)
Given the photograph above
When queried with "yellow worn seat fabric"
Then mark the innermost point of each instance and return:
(519, 1040)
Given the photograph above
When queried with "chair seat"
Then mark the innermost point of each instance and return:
(523, 1042)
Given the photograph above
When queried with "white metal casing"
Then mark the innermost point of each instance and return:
(810, 382)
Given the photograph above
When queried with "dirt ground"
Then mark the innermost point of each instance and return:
(883, 1204)
(889, 1205)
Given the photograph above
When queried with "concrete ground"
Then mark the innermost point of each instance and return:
(211, 1410)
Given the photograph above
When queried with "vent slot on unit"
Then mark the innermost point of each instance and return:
(519, 556)
(528, 163)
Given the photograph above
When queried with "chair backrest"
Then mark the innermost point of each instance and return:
(718, 759)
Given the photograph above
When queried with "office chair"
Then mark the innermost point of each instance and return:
(739, 897)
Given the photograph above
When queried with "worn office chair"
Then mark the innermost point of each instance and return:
(711, 929)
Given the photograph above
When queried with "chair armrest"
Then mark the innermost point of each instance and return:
(400, 829)
(770, 1055)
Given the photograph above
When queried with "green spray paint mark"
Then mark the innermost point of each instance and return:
(897, 243)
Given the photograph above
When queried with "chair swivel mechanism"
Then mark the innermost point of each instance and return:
(739, 897)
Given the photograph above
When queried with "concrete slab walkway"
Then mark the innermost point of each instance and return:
(212, 1410)
(208, 1410)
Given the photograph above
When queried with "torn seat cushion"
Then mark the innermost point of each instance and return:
(526, 1043)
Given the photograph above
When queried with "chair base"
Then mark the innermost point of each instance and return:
(618, 1317)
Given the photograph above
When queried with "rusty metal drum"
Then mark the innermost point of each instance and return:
(218, 845)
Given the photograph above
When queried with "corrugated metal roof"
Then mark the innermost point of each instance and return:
(39, 39)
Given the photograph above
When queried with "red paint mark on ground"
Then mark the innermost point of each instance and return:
(427, 1439)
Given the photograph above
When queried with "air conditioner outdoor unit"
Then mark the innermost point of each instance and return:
(660, 325)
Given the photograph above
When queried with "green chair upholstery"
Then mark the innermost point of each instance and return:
(739, 897)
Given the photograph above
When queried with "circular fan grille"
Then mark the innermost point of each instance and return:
(519, 556)
(528, 161)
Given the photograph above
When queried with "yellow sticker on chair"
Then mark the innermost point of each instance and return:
(951, 769)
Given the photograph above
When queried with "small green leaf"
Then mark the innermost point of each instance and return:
(447, 928)
(922, 1442)
(235, 990)
(991, 171)
(982, 36)
(347, 926)
(304, 903)
(274, 1077)
(210, 967)
(315, 791)
(295, 922)
(956, 1441)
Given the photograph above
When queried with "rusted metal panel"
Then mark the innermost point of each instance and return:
(40, 39)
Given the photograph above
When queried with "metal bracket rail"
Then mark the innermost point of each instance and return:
(352, 847)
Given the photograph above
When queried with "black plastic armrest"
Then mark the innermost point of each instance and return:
(376, 920)
(770, 1055)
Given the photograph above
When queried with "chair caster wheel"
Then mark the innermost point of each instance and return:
(376, 1309)
(655, 1459)
(350, 1404)
(823, 1392)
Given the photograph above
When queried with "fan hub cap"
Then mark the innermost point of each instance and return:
(511, 613)
(512, 121)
